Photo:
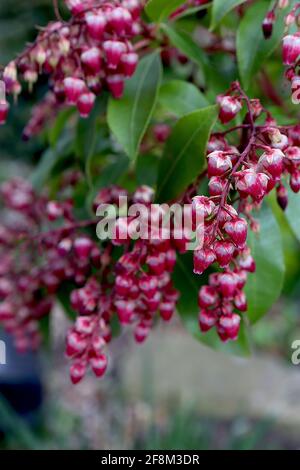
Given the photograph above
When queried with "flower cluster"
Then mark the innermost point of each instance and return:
(34, 259)
(92, 51)
(268, 154)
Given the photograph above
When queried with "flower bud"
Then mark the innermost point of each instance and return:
(166, 310)
(295, 181)
(282, 196)
(237, 231)
(91, 60)
(224, 251)
(83, 247)
(113, 52)
(96, 24)
(85, 104)
(272, 162)
(77, 372)
(116, 85)
(228, 327)
(207, 297)
(120, 20)
(268, 24)
(218, 163)
(74, 88)
(4, 107)
(291, 48)
(229, 107)
(129, 63)
(216, 186)
(207, 319)
(99, 365)
(203, 259)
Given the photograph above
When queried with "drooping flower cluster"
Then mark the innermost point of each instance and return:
(38, 259)
(33, 259)
(267, 155)
(92, 51)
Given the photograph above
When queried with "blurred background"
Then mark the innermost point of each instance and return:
(172, 392)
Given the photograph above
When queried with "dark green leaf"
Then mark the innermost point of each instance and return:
(87, 132)
(110, 174)
(184, 42)
(129, 117)
(220, 8)
(292, 213)
(189, 284)
(252, 47)
(184, 155)
(49, 159)
(179, 97)
(264, 286)
(158, 10)
(146, 170)
(63, 296)
(59, 125)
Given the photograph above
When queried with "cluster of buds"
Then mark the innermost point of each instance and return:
(54, 249)
(45, 259)
(219, 300)
(266, 157)
(92, 51)
(270, 18)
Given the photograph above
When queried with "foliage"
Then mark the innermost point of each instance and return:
(168, 102)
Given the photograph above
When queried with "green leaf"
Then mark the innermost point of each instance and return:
(189, 284)
(63, 296)
(220, 8)
(59, 125)
(146, 170)
(110, 174)
(158, 10)
(184, 42)
(87, 132)
(179, 97)
(252, 48)
(129, 117)
(184, 155)
(193, 10)
(49, 159)
(292, 213)
(264, 286)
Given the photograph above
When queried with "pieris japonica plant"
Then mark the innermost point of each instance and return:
(172, 107)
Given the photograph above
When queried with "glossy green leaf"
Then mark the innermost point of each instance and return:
(220, 8)
(193, 10)
(130, 116)
(158, 10)
(264, 286)
(180, 98)
(146, 170)
(184, 42)
(59, 124)
(189, 284)
(252, 48)
(184, 155)
(50, 158)
(87, 132)
(292, 213)
(110, 174)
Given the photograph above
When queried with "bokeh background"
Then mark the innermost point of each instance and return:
(172, 392)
